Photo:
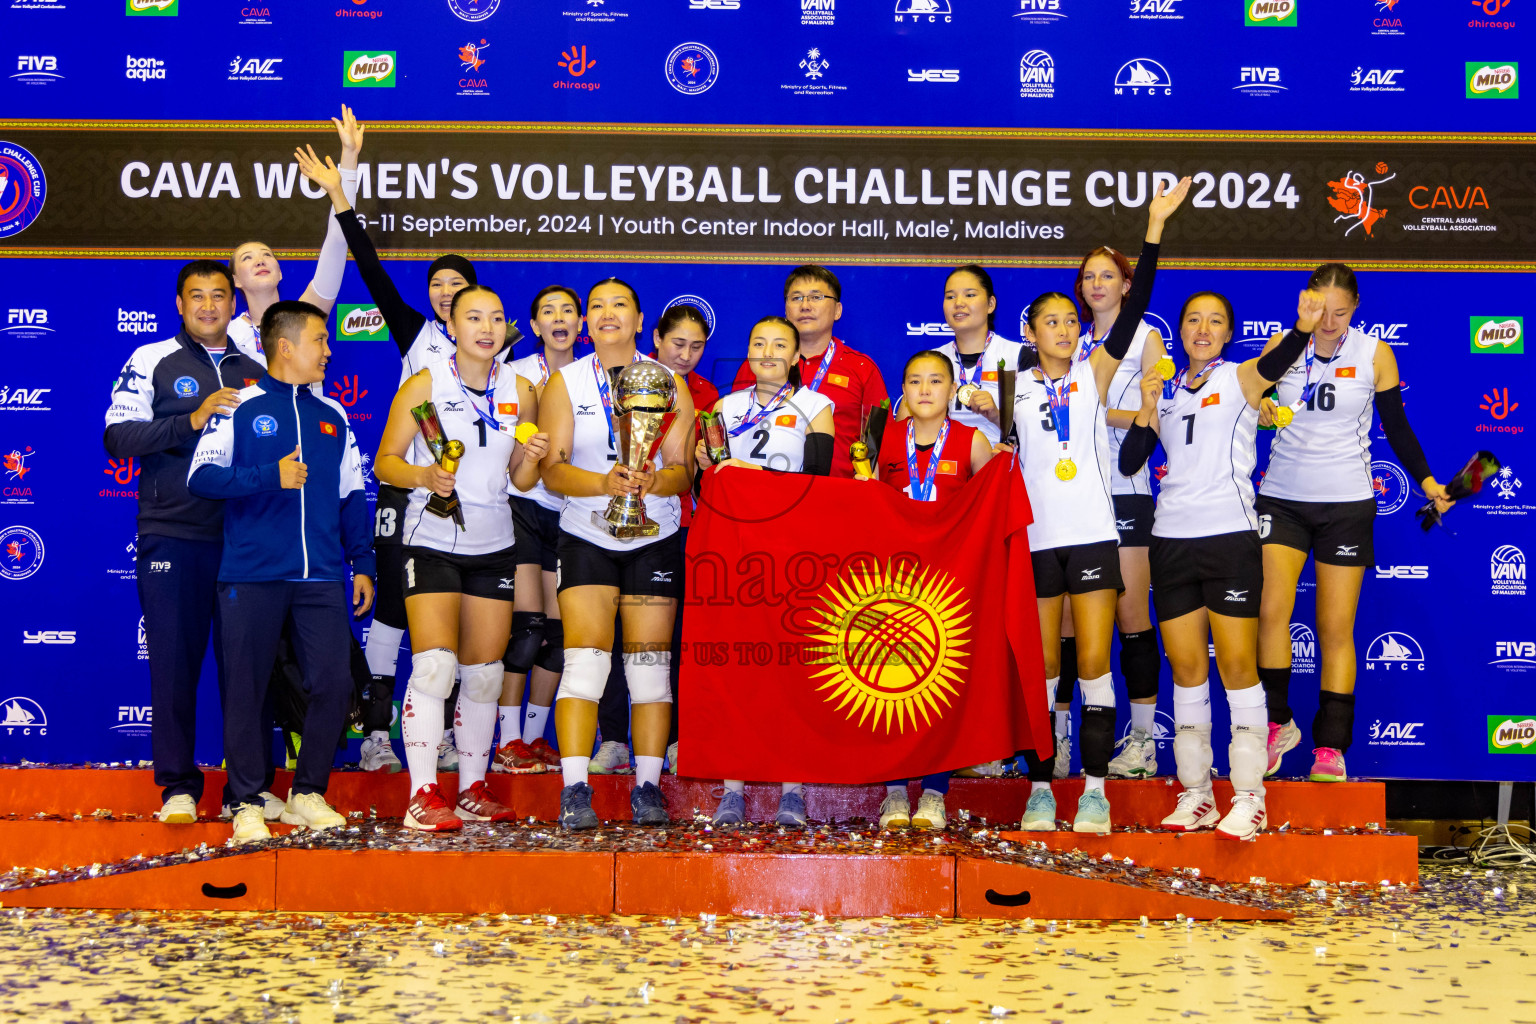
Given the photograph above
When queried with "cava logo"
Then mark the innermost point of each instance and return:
(1143, 77)
(1507, 571)
(1270, 13)
(1037, 76)
(155, 8)
(1504, 334)
(1354, 197)
(1511, 734)
(360, 323)
(1394, 652)
(889, 644)
(362, 69)
(1490, 81)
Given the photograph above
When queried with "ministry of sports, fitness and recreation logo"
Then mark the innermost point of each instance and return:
(23, 189)
(1270, 13)
(364, 69)
(1143, 76)
(23, 716)
(1487, 81)
(21, 552)
(889, 643)
(692, 68)
(473, 10)
(1394, 652)
(1506, 570)
(1498, 334)
(1390, 486)
(697, 302)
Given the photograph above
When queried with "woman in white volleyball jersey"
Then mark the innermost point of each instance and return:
(781, 426)
(597, 571)
(459, 579)
(1317, 496)
(536, 650)
(1207, 572)
(1059, 419)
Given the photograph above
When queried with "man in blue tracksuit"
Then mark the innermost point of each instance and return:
(166, 393)
(288, 468)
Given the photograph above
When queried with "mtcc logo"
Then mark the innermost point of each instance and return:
(1394, 652)
(23, 716)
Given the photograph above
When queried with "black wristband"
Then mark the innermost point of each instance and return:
(1136, 448)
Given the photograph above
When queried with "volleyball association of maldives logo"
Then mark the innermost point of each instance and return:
(23, 189)
(889, 644)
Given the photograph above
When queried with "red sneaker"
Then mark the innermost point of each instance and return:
(429, 812)
(477, 804)
(541, 749)
(516, 757)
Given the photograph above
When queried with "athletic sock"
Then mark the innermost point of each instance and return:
(535, 719)
(1247, 706)
(736, 786)
(1091, 782)
(383, 649)
(506, 719)
(573, 770)
(474, 732)
(1192, 704)
(379, 735)
(785, 788)
(1063, 724)
(419, 718)
(1277, 689)
(648, 769)
(1143, 717)
(1035, 787)
(899, 790)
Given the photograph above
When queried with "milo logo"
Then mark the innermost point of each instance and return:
(1498, 334)
(1509, 734)
(369, 70)
(1493, 81)
(1271, 13)
(360, 323)
(163, 8)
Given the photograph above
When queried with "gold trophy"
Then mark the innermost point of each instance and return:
(447, 453)
(643, 394)
(863, 452)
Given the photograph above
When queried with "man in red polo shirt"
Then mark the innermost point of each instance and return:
(828, 365)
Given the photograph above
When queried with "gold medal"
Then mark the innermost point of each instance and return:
(1165, 368)
(525, 431)
(1066, 469)
(965, 394)
(1283, 416)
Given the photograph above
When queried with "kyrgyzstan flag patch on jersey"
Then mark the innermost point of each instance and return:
(328, 428)
(949, 467)
(1211, 400)
(506, 408)
(1344, 371)
(989, 375)
(785, 421)
(250, 382)
(841, 380)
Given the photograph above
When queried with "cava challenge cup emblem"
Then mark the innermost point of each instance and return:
(889, 644)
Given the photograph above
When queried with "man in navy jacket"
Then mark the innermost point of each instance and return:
(288, 468)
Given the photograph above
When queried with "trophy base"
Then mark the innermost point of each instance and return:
(626, 530)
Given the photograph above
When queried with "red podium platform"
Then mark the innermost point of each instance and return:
(979, 867)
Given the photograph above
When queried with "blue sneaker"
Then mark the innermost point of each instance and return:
(732, 809)
(1040, 812)
(576, 807)
(792, 810)
(1092, 813)
(648, 805)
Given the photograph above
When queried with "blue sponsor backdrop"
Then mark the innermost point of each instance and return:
(1444, 631)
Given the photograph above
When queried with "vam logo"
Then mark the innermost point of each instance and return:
(1270, 13)
(36, 70)
(366, 70)
(928, 11)
(1040, 12)
(1402, 572)
(356, 322)
(1498, 334)
(23, 716)
(818, 12)
(1156, 10)
(1303, 648)
(1037, 76)
(1506, 569)
(1143, 76)
(1493, 82)
(1256, 81)
(143, 641)
(1511, 734)
(155, 8)
(1390, 485)
(1394, 652)
(1514, 655)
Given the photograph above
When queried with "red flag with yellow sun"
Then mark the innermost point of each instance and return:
(838, 631)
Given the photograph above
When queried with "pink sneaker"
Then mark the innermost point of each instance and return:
(1327, 765)
(1281, 738)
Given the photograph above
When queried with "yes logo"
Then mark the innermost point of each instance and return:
(1498, 334)
(1270, 13)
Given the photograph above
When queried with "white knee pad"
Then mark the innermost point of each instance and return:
(432, 671)
(481, 683)
(1248, 757)
(585, 675)
(647, 673)
(1192, 755)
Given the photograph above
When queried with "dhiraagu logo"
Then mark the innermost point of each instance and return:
(1511, 734)
(360, 323)
(1498, 334)
(372, 69)
(154, 8)
(1270, 13)
(1487, 80)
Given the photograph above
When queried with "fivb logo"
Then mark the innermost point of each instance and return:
(1270, 13)
(367, 70)
(1516, 655)
(1257, 81)
(29, 324)
(360, 323)
(36, 70)
(1498, 334)
(134, 719)
(1040, 12)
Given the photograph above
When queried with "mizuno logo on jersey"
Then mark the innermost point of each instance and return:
(1091, 574)
(1347, 551)
(1237, 595)
(587, 410)
(1344, 371)
(506, 408)
(949, 467)
(505, 584)
(1211, 400)
(1165, 411)
(784, 421)
(658, 576)
(453, 406)
(1125, 524)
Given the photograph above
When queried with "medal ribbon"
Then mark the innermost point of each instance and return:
(543, 369)
(1178, 379)
(603, 391)
(924, 491)
(1308, 385)
(488, 416)
(750, 421)
(1060, 395)
(826, 364)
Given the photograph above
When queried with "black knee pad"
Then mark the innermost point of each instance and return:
(1277, 694)
(551, 656)
(1334, 725)
(1140, 663)
(1038, 768)
(1096, 740)
(378, 704)
(1068, 675)
(523, 646)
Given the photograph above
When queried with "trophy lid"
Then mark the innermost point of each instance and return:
(645, 385)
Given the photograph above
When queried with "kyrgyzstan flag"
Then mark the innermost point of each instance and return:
(838, 631)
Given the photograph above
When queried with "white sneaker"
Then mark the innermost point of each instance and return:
(271, 807)
(311, 809)
(447, 753)
(378, 756)
(672, 758)
(930, 811)
(896, 810)
(612, 759)
(1245, 820)
(1137, 758)
(249, 826)
(1196, 810)
(990, 770)
(1063, 766)
(180, 809)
